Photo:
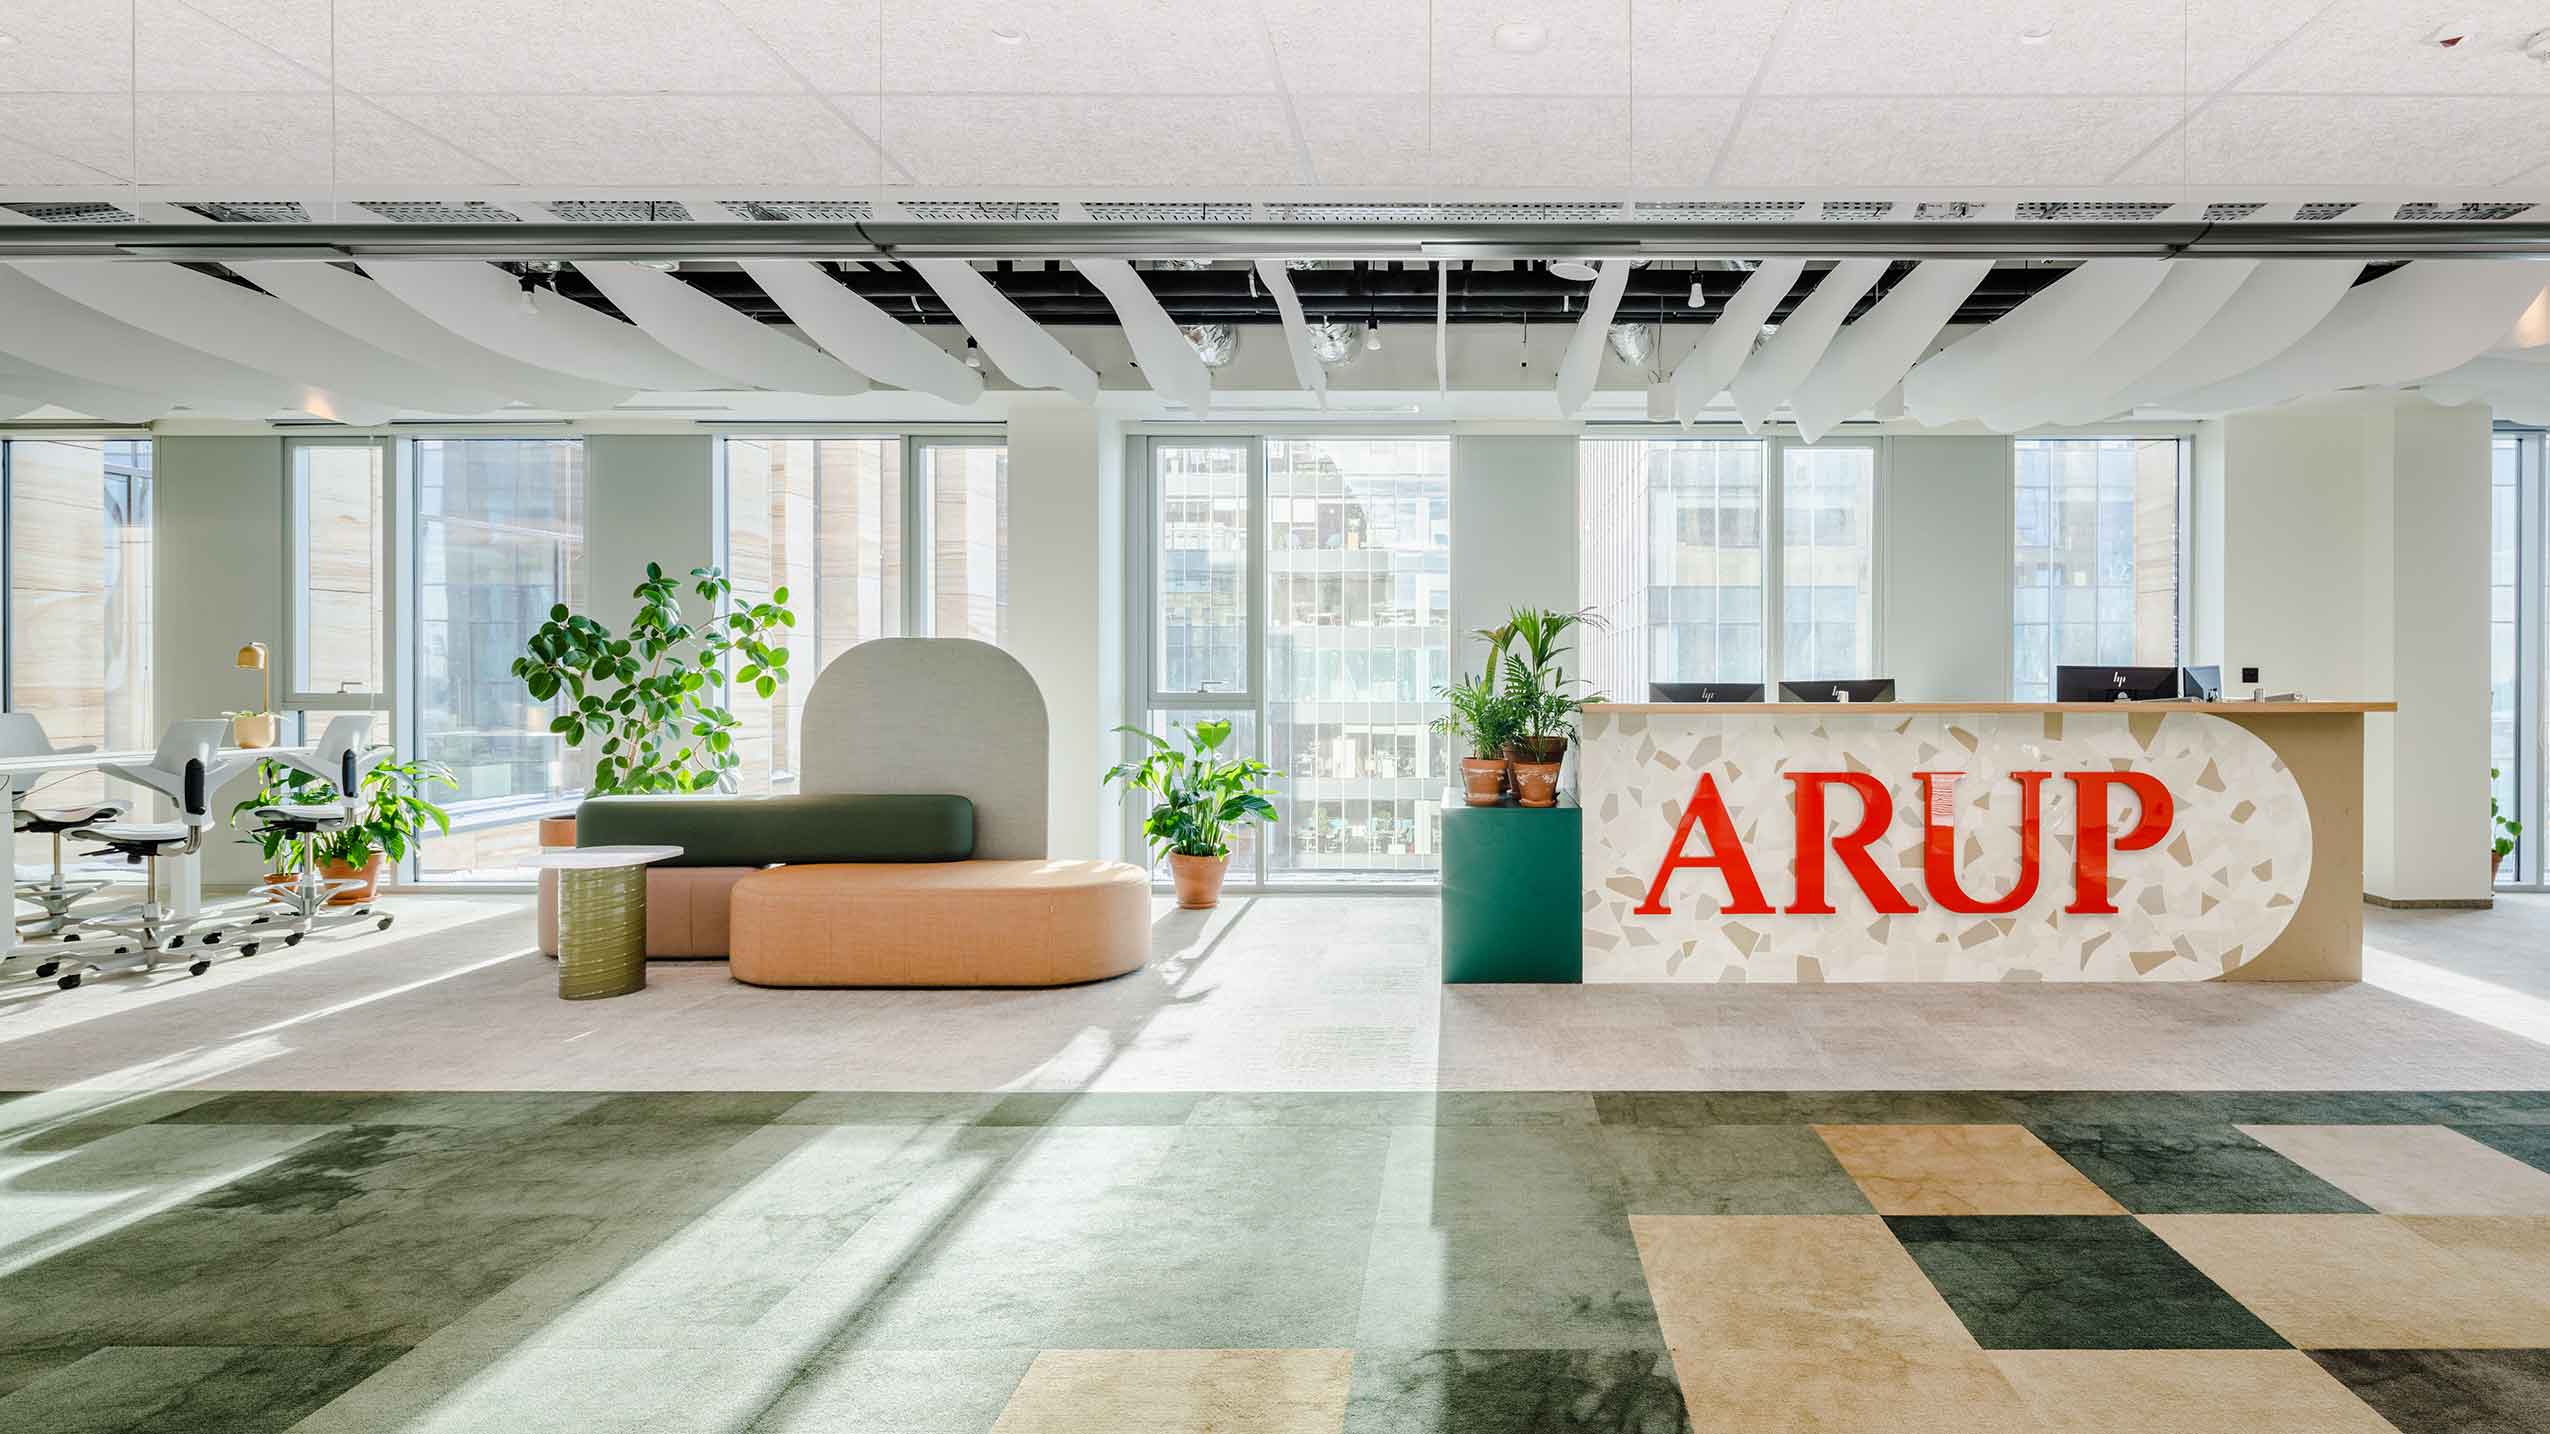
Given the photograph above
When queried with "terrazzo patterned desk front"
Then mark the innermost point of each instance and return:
(2009, 842)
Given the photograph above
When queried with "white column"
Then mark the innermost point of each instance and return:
(1067, 601)
(648, 498)
(1513, 532)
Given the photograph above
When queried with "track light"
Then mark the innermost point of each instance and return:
(1372, 337)
(1698, 297)
(973, 353)
(530, 297)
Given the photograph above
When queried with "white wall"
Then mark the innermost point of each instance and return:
(1513, 532)
(1066, 601)
(1945, 565)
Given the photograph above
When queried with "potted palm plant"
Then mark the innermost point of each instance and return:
(1199, 796)
(1485, 722)
(1528, 648)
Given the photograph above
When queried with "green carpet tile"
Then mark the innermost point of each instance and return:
(1509, 1263)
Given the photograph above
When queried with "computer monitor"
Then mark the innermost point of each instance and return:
(2200, 684)
(1847, 689)
(2115, 684)
(1704, 691)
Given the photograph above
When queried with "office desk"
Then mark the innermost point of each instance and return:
(186, 877)
(1947, 841)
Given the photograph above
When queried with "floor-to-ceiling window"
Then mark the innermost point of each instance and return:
(862, 553)
(79, 601)
(1828, 562)
(340, 568)
(499, 541)
(2097, 556)
(1300, 588)
(2518, 597)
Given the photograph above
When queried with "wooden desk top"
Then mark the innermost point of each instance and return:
(1890, 709)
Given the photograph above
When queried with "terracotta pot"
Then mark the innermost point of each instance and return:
(1537, 749)
(556, 832)
(1199, 879)
(1482, 781)
(1536, 783)
(369, 873)
(2496, 859)
(253, 729)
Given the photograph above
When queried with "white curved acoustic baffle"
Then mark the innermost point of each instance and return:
(1773, 372)
(2281, 300)
(2034, 343)
(1288, 307)
(2194, 291)
(2414, 322)
(53, 332)
(248, 326)
(39, 386)
(714, 336)
(1867, 360)
(355, 305)
(2532, 326)
(484, 305)
(1703, 372)
(2513, 389)
(1169, 363)
(1031, 357)
(1583, 362)
(862, 335)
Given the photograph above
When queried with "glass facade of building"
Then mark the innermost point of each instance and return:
(2096, 571)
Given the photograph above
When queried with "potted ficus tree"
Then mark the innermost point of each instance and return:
(1485, 722)
(392, 812)
(1198, 797)
(652, 702)
(1527, 648)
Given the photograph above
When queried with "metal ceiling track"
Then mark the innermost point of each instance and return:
(2499, 239)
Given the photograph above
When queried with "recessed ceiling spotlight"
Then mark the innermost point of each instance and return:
(1520, 37)
(1009, 34)
(2036, 34)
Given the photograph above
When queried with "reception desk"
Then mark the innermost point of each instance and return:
(1911, 841)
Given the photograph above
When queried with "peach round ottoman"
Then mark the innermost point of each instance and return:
(952, 923)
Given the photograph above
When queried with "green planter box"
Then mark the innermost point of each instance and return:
(1513, 894)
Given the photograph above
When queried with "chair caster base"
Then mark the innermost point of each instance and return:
(74, 936)
(48, 968)
(248, 950)
(70, 982)
(293, 940)
(385, 923)
(199, 968)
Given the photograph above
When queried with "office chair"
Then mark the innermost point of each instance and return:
(342, 760)
(21, 735)
(185, 767)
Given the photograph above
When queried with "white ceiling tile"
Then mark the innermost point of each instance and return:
(2374, 140)
(1097, 47)
(377, 147)
(1685, 47)
(182, 49)
(833, 43)
(65, 45)
(1531, 143)
(2232, 35)
(92, 131)
(1790, 142)
(20, 164)
(1678, 138)
(1371, 47)
(1046, 140)
(1364, 140)
(1974, 47)
(550, 47)
(2380, 45)
(647, 139)
(1585, 52)
(298, 30)
(233, 139)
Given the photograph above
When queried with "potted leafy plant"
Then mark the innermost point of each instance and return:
(1485, 722)
(2502, 834)
(391, 815)
(653, 701)
(1199, 796)
(1528, 648)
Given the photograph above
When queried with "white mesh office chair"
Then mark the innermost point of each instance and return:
(21, 735)
(342, 759)
(187, 768)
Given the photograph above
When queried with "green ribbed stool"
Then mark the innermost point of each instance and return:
(602, 918)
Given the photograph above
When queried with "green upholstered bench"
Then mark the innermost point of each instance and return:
(725, 839)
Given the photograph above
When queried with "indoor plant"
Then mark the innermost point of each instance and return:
(1527, 647)
(653, 701)
(1485, 722)
(2503, 830)
(1200, 795)
(392, 813)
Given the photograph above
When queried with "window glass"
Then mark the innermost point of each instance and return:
(2097, 556)
(343, 568)
(1671, 554)
(1358, 641)
(968, 488)
(80, 595)
(2505, 547)
(1828, 526)
(499, 541)
(1200, 641)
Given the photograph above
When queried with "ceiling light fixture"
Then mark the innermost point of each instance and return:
(1520, 37)
(973, 353)
(1009, 34)
(1213, 343)
(1698, 298)
(1633, 342)
(1334, 344)
(1372, 337)
(1575, 271)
